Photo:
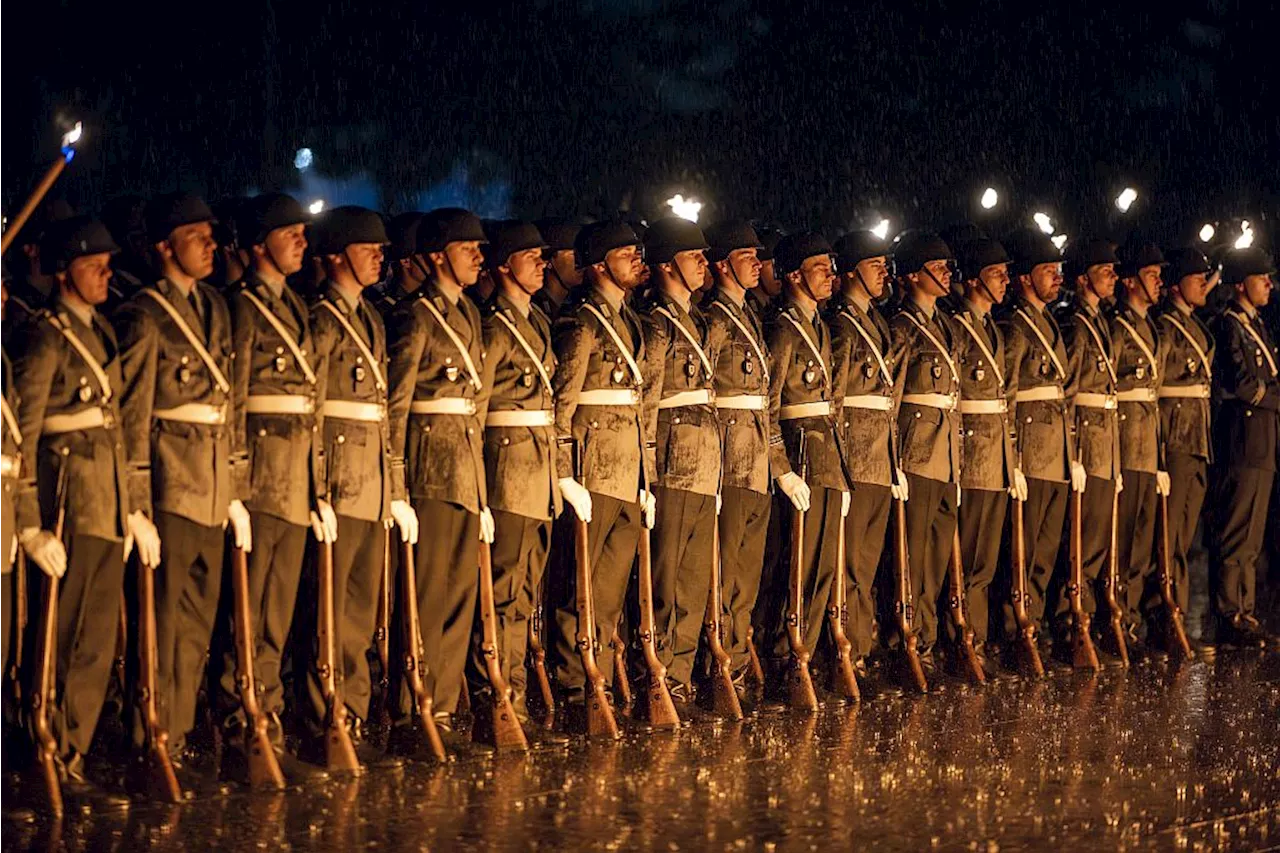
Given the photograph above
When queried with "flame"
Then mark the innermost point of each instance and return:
(1206, 232)
(1044, 222)
(882, 229)
(990, 198)
(1126, 199)
(685, 208)
(72, 136)
(316, 207)
(1245, 240)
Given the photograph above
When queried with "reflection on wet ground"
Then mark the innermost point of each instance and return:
(1162, 758)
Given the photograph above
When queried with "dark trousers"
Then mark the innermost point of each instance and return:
(1188, 480)
(681, 576)
(1043, 514)
(982, 515)
(864, 532)
(1242, 498)
(1135, 541)
(1095, 551)
(744, 526)
(931, 527)
(612, 537)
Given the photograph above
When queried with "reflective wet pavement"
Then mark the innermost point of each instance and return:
(1166, 758)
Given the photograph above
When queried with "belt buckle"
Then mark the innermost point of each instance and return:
(1110, 403)
(635, 396)
(108, 420)
(471, 406)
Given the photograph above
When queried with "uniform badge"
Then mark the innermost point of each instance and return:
(1101, 365)
(936, 370)
(280, 364)
(868, 370)
(1257, 359)
(748, 367)
(1192, 365)
(358, 373)
(451, 373)
(184, 375)
(810, 374)
(690, 368)
(526, 378)
(980, 374)
(1044, 369)
(1139, 371)
(85, 394)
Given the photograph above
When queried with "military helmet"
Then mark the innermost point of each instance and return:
(349, 225)
(1137, 256)
(258, 216)
(961, 233)
(446, 225)
(1239, 264)
(912, 249)
(508, 236)
(77, 237)
(855, 247)
(167, 212)
(794, 249)
(598, 239)
(1029, 248)
(1186, 261)
(559, 233)
(769, 238)
(125, 217)
(402, 233)
(978, 254)
(729, 236)
(1090, 253)
(670, 236)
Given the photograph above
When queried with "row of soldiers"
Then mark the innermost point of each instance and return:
(526, 409)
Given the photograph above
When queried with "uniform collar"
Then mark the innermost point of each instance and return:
(84, 313)
(344, 297)
(729, 299)
(801, 310)
(978, 313)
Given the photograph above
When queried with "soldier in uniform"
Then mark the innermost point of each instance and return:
(1186, 379)
(187, 470)
(989, 473)
(764, 297)
(407, 268)
(597, 383)
(275, 376)
(562, 274)
(1036, 372)
(437, 408)
(863, 378)
(682, 437)
(67, 376)
(801, 401)
(365, 488)
(1247, 367)
(1137, 360)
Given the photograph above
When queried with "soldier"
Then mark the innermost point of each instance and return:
(562, 273)
(801, 402)
(1186, 379)
(1137, 344)
(519, 450)
(1245, 432)
(923, 352)
(437, 409)
(67, 376)
(407, 268)
(275, 385)
(597, 383)
(1036, 371)
(187, 469)
(365, 488)
(990, 473)
(762, 298)
(682, 437)
(863, 379)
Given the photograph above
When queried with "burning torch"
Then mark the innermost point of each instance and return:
(69, 140)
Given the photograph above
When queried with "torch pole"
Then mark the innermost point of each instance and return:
(36, 197)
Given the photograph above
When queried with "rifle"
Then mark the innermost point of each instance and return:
(19, 626)
(1114, 620)
(264, 769)
(755, 670)
(1083, 654)
(959, 612)
(158, 778)
(659, 710)
(843, 682)
(621, 681)
(538, 657)
(495, 724)
(724, 696)
(382, 633)
(1175, 630)
(903, 609)
(1026, 629)
(415, 668)
(340, 753)
(800, 690)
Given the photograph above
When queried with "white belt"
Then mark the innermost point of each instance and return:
(1195, 392)
(1137, 395)
(752, 402)
(1096, 401)
(9, 466)
(686, 398)
(820, 409)
(521, 418)
(444, 406)
(879, 402)
(279, 404)
(610, 397)
(350, 410)
(946, 402)
(1040, 394)
(85, 419)
(997, 406)
(194, 413)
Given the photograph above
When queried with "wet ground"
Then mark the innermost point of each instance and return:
(1165, 758)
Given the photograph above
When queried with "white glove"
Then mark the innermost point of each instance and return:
(324, 524)
(486, 526)
(144, 534)
(1119, 482)
(796, 489)
(899, 489)
(649, 503)
(1018, 491)
(241, 530)
(45, 550)
(406, 519)
(719, 503)
(1078, 477)
(959, 495)
(1162, 483)
(576, 496)
(846, 498)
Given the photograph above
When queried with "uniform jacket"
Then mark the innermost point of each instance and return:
(1245, 431)
(741, 369)
(286, 458)
(444, 454)
(929, 436)
(1046, 436)
(684, 440)
(520, 462)
(1090, 370)
(988, 439)
(15, 481)
(869, 434)
(1184, 421)
(1135, 369)
(362, 477)
(192, 470)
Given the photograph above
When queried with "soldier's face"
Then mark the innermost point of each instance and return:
(692, 266)
(466, 260)
(935, 278)
(875, 275)
(1102, 278)
(365, 260)
(192, 246)
(562, 263)
(626, 265)
(819, 276)
(286, 246)
(995, 279)
(745, 265)
(1257, 289)
(89, 277)
(769, 279)
(1046, 281)
(1146, 285)
(527, 268)
(1194, 289)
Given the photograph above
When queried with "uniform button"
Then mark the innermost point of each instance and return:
(342, 439)
(185, 359)
(917, 414)
(594, 424)
(1248, 413)
(471, 431)
(262, 433)
(505, 442)
(675, 420)
(846, 424)
(1084, 423)
(969, 433)
(732, 421)
(315, 428)
(1124, 417)
(1028, 418)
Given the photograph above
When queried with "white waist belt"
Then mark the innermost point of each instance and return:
(820, 409)
(946, 402)
(193, 413)
(279, 404)
(610, 397)
(752, 402)
(350, 410)
(86, 419)
(1194, 392)
(9, 466)
(1096, 401)
(521, 418)
(686, 398)
(879, 402)
(997, 406)
(1137, 395)
(444, 406)
(1041, 394)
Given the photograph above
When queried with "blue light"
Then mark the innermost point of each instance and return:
(302, 159)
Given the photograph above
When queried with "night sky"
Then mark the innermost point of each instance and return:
(803, 114)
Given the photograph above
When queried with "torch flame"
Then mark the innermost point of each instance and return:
(72, 136)
(685, 208)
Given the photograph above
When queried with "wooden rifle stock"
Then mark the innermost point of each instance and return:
(415, 668)
(340, 752)
(538, 657)
(14, 673)
(622, 694)
(43, 693)
(382, 633)
(903, 606)
(843, 681)
(158, 778)
(1083, 654)
(1115, 623)
(1175, 630)
(1028, 651)
(959, 612)
(724, 696)
(264, 769)
(658, 708)
(496, 724)
(800, 692)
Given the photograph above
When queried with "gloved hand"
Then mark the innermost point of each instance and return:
(1162, 483)
(241, 530)
(576, 496)
(324, 524)
(406, 519)
(899, 489)
(846, 498)
(486, 526)
(959, 495)
(1119, 482)
(649, 503)
(45, 550)
(1018, 491)
(1078, 477)
(796, 489)
(719, 503)
(144, 534)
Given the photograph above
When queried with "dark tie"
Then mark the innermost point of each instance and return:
(990, 329)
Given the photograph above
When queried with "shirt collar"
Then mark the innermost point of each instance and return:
(86, 313)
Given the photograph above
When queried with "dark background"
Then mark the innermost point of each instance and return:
(804, 114)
